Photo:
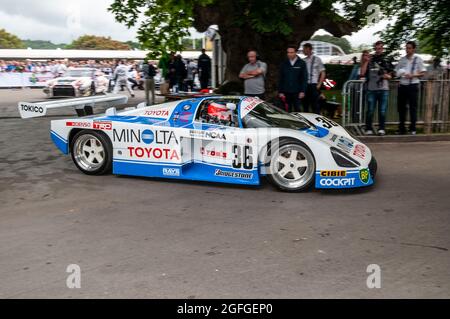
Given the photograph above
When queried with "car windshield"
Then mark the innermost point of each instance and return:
(78, 73)
(267, 115)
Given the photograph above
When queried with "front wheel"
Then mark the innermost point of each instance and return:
(291, 166)
(92, 152)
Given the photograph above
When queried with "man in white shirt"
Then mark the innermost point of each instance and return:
(410, 69)
(316, 76)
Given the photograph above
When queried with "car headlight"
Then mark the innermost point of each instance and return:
(343, 159)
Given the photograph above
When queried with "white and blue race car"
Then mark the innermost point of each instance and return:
(226, 139)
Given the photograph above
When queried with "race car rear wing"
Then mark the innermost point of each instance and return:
(38, 109)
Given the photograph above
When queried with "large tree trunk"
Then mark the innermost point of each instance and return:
(236, 41)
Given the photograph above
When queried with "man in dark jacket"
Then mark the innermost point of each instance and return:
(180, 72)
(204, 67)
(293, 79)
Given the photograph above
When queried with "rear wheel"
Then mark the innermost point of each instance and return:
(92, 152)
(291, 166)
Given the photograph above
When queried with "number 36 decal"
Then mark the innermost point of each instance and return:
(242, 157)
(327, 123)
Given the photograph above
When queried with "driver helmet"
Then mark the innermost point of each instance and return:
(219, 111)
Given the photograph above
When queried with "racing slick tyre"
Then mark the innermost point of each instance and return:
(92, 152)
(291, 166)
(373, 167)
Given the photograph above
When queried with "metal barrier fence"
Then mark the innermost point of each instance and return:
(432, 111)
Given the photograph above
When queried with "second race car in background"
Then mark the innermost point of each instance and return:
(76, 82)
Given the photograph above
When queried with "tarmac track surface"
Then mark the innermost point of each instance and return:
(147, 238)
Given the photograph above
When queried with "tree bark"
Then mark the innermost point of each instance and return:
(271, 47)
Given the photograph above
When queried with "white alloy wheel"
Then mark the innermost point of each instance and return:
(292, 167)
(89, 153)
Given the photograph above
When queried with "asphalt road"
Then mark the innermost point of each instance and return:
(146, 238)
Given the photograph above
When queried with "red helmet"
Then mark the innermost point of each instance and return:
(218, 110)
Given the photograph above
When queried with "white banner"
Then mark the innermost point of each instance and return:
(26, 79)
(11, 79)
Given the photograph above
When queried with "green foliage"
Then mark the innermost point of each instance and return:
(42, 44)
(363, 47)
(162, 23)
(333, 95)
(265, 16)
(133, 45)
(92, 42)
(10, 41)
(163, 64)
(341, 42)
(423, 20)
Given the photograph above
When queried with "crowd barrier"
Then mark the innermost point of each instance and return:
(432, 112)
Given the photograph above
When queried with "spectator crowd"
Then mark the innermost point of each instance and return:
(180, 74)
(376, 71)
(56, 67)
(300, 81)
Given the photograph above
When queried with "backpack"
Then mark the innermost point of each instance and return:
(151, 71)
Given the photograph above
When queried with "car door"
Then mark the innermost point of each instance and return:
(226, 146)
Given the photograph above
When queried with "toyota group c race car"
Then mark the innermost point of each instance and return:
(224, 139)
(76, 82)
